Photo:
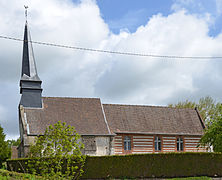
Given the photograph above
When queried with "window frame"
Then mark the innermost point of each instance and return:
(178, 149)
(128, 143)
(158, 140)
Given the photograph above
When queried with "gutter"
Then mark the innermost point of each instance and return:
(152, 133)
(79, 134)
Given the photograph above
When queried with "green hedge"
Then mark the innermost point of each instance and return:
(145, 165)
(4, 174)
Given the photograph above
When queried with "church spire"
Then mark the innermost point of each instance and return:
(29, 70)
(30, 83)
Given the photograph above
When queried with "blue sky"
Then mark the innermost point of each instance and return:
(130, 14)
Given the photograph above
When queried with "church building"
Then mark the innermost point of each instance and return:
(105, 129)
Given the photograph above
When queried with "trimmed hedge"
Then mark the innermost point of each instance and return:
(144, 165)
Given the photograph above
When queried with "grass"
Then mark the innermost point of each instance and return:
(187, 178)
(9, 175)
(192, 178)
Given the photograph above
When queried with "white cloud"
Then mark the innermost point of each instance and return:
(191, 4)
(114, 78)
(148, 80)
(210, 10)
(219, 6)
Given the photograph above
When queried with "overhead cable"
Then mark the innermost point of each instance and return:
(115, 52)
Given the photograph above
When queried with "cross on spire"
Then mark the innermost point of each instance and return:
(26, 13)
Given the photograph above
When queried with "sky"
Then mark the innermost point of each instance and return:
(161, 27)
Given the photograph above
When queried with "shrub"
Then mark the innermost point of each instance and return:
(146, 165)
(5, 151)
(154, 165)
(57, 154)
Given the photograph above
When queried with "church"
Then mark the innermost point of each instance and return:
(105, 129)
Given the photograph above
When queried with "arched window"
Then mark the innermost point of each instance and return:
(127, 143)
(179, 144)
(157, 143)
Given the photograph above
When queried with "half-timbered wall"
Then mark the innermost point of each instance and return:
(142, 144)
(118, 145)
(169, 144)
(145, 144)
(191, 144)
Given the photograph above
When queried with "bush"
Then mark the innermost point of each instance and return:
(57, 153)
(4, 174)
(5, 151)
(145, 165)
(154, 165)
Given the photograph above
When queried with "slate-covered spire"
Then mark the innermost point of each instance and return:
(28, 60)
(30, 83)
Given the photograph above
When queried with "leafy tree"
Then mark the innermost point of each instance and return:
(207, 107)
(185, 104)
(211, 113)
(58, 153)
(12, 142)
(213, 134)
(5, 151)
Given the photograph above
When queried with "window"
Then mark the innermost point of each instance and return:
(179, 144)
(157, 143)
(89, 143)
(127, 143)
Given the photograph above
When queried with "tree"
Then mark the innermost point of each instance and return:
(213, 134)
(5, 151)
(208, 108)
(58, 152)
(211, 113)
(12, 142)
(185, 104)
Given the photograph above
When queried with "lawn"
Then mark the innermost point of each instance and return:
(8, 175)
(192, 178)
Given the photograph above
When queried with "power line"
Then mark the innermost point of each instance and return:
(115, 52)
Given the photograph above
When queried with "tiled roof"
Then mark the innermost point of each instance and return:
(152, 119)
(85, 114)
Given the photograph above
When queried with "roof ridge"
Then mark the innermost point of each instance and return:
(67, 97)
(146, 106)
(138, 105)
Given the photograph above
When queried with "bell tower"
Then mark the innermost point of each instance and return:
(30, 83)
